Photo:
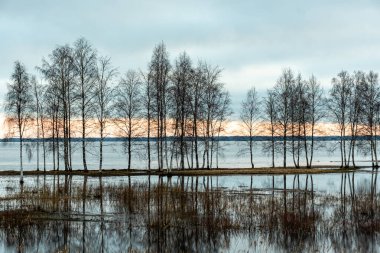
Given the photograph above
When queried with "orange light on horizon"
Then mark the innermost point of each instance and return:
(114, 128)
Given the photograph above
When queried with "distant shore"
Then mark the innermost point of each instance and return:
(320, 169)
(171, 138)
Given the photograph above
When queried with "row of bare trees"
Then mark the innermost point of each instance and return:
(354, 104)
(80, 91)
(181, 109)
(294, 106)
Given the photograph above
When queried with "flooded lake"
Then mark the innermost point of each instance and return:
(232, 154)
(302, 213)
(281, 213)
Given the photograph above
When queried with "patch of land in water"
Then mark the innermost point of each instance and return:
(191, 172)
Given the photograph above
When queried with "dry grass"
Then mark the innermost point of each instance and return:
(192, 172)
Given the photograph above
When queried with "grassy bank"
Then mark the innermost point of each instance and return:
(191, 172)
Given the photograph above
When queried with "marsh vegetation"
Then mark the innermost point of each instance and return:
(191, 214)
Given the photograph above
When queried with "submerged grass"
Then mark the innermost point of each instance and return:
(184, 214)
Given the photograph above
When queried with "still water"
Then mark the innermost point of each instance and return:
(232, 154)
(305, 213)
(293, 213)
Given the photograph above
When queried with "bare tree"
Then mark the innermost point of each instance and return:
(370, 114)
(249, 116)
(103, 91)
(223, 113)
(297, 110)
(19, 103)
(338, 105)
(128, 108)
(159, 68)
(215, 108)
(36, 109)
(282, 96)
(355, 110)
(40, 95)
(180, 104)
(314, 111)
(270, 115)
(61, 76)
(51, 111)
(148, 98)
(85, 69)
(197, 89)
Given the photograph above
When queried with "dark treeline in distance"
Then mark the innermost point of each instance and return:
(186, 102)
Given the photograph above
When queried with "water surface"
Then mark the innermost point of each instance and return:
(303, 213)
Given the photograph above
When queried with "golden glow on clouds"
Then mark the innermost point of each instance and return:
(229, 128)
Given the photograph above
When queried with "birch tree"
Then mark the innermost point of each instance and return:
(159, 70)
(282, 92)
(85, 71)
(19, 104)
(339, 105)
(103, 99)
(128, 108)
(249, 116)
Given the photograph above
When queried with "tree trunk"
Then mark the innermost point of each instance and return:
(101, 146)
(129, 146)
(21, 166)
(284, 147)
(83, 139)
(251, 150)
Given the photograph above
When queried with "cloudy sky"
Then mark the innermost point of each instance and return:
(251, 40)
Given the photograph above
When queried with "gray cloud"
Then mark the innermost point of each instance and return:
(251, 40)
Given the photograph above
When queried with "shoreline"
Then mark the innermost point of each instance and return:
(320, 169)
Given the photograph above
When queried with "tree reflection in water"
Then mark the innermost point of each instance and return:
(190, 214)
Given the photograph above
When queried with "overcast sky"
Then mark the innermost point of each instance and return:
(251, 40)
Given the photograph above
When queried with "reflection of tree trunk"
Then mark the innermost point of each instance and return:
(285, 204)
(353, 190)
(20, 229)
(251, 206)
(84, 193)
(273, 189)
(67, 212)
(197, 216)
(343, 200)
(102, 225)
(373, 190)
(305, 195)
(312, 194)
(130, 211)
(293, 193)
(149, 222)
(159, 211)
